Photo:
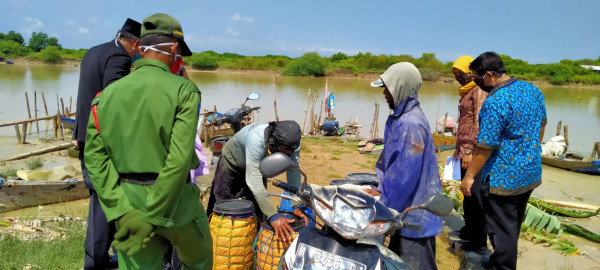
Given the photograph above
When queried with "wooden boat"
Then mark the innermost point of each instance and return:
(17, 194)
(570, 161)
(448, 143)
(10, 62)
(68, 122)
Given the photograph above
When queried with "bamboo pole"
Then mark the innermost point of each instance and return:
(28, 110)
(558, 126)
(62, 105)
(596, 150)
(567, 135)
(442, 135)
(24, 135)
(30, 120)
(305, 111)
(39, 152)
(320, 113)
(37, 124)
(18, 133)
(54, 127)
(313, 115)
(70, 103)
(46, 110)
(59, 125)
(275, 97)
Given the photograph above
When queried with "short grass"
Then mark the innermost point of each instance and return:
(333, 175)
(35, 163)
(57, 254)
(8, 172)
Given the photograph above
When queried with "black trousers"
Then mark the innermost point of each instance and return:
(228, 184)
(100, 233)
(504, 215)
(418, 253)
(474, 230)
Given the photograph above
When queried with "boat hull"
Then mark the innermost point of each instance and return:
(571, 161)
(448, 142)
(17, 194)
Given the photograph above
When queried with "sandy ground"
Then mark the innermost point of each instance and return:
(323, 161)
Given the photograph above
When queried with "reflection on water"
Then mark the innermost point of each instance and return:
(576, 107)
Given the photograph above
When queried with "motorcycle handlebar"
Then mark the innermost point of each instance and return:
(285, 186)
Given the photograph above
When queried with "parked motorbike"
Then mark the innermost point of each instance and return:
(233, 117)
(355, 224)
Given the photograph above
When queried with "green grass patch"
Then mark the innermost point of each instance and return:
(335, 158)
(56, 254)
(333, 175)
(35, 163)
(9, 172)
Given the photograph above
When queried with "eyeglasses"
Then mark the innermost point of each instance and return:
(463, 77)
(479, 81)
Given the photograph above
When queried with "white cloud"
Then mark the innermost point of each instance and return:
(31, 25)
(238, 17)
(83, 30)
(232, 32)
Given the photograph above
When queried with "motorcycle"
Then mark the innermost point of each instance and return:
(233, 117)
(355, 224)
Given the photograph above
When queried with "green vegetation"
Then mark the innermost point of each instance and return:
(43, 48)
(34, 163)
(310, 64)
(48, 55)
(56, 254)
(8, 172)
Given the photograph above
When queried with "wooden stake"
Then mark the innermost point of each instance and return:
(320, 112)
(70, 103)
(37, 124)
(305, 111)
(60, 127)
(558, 126)
(28, 110)
(45, 107)
(18, 133)
(54, 127)
(567, 135)
(596, 150)
(275, 97)
(62, 105)
(24, 135)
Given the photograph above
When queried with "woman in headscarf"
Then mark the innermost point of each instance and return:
(471, 100)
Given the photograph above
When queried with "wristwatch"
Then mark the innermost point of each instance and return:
(468, 151)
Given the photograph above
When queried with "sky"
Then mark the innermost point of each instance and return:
(533, 30)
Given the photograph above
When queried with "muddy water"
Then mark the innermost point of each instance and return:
(577, 107)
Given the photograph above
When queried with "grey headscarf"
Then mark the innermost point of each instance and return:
(402, 80)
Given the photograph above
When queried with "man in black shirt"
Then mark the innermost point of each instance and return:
(101, 66)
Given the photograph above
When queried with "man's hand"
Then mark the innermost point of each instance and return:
(134, 233)
(466, 160)
(299, 213)
(372, 192)
(465, 186)
(281, 226)
(75, 144)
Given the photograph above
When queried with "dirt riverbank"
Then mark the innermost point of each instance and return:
(325, 159)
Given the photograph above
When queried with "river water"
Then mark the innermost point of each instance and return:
(576, 106)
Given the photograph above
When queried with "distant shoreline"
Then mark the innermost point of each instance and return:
(71, 62)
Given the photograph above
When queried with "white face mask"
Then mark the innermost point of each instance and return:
(151, 47)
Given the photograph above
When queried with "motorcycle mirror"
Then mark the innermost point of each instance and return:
(252, 96)
(437, 204)
(275, 164)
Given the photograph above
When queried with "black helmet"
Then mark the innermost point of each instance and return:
(286, 134)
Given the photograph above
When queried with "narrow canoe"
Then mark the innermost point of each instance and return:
(448, 143)
(17, 194)
(570, 161)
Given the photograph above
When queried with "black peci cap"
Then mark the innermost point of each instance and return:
(132, 27)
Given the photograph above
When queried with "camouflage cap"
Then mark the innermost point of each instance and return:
(163, 24)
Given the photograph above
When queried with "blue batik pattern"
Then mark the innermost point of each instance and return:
(510, 122)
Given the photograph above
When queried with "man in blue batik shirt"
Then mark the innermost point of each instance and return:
(407, 169)
(511, 128)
